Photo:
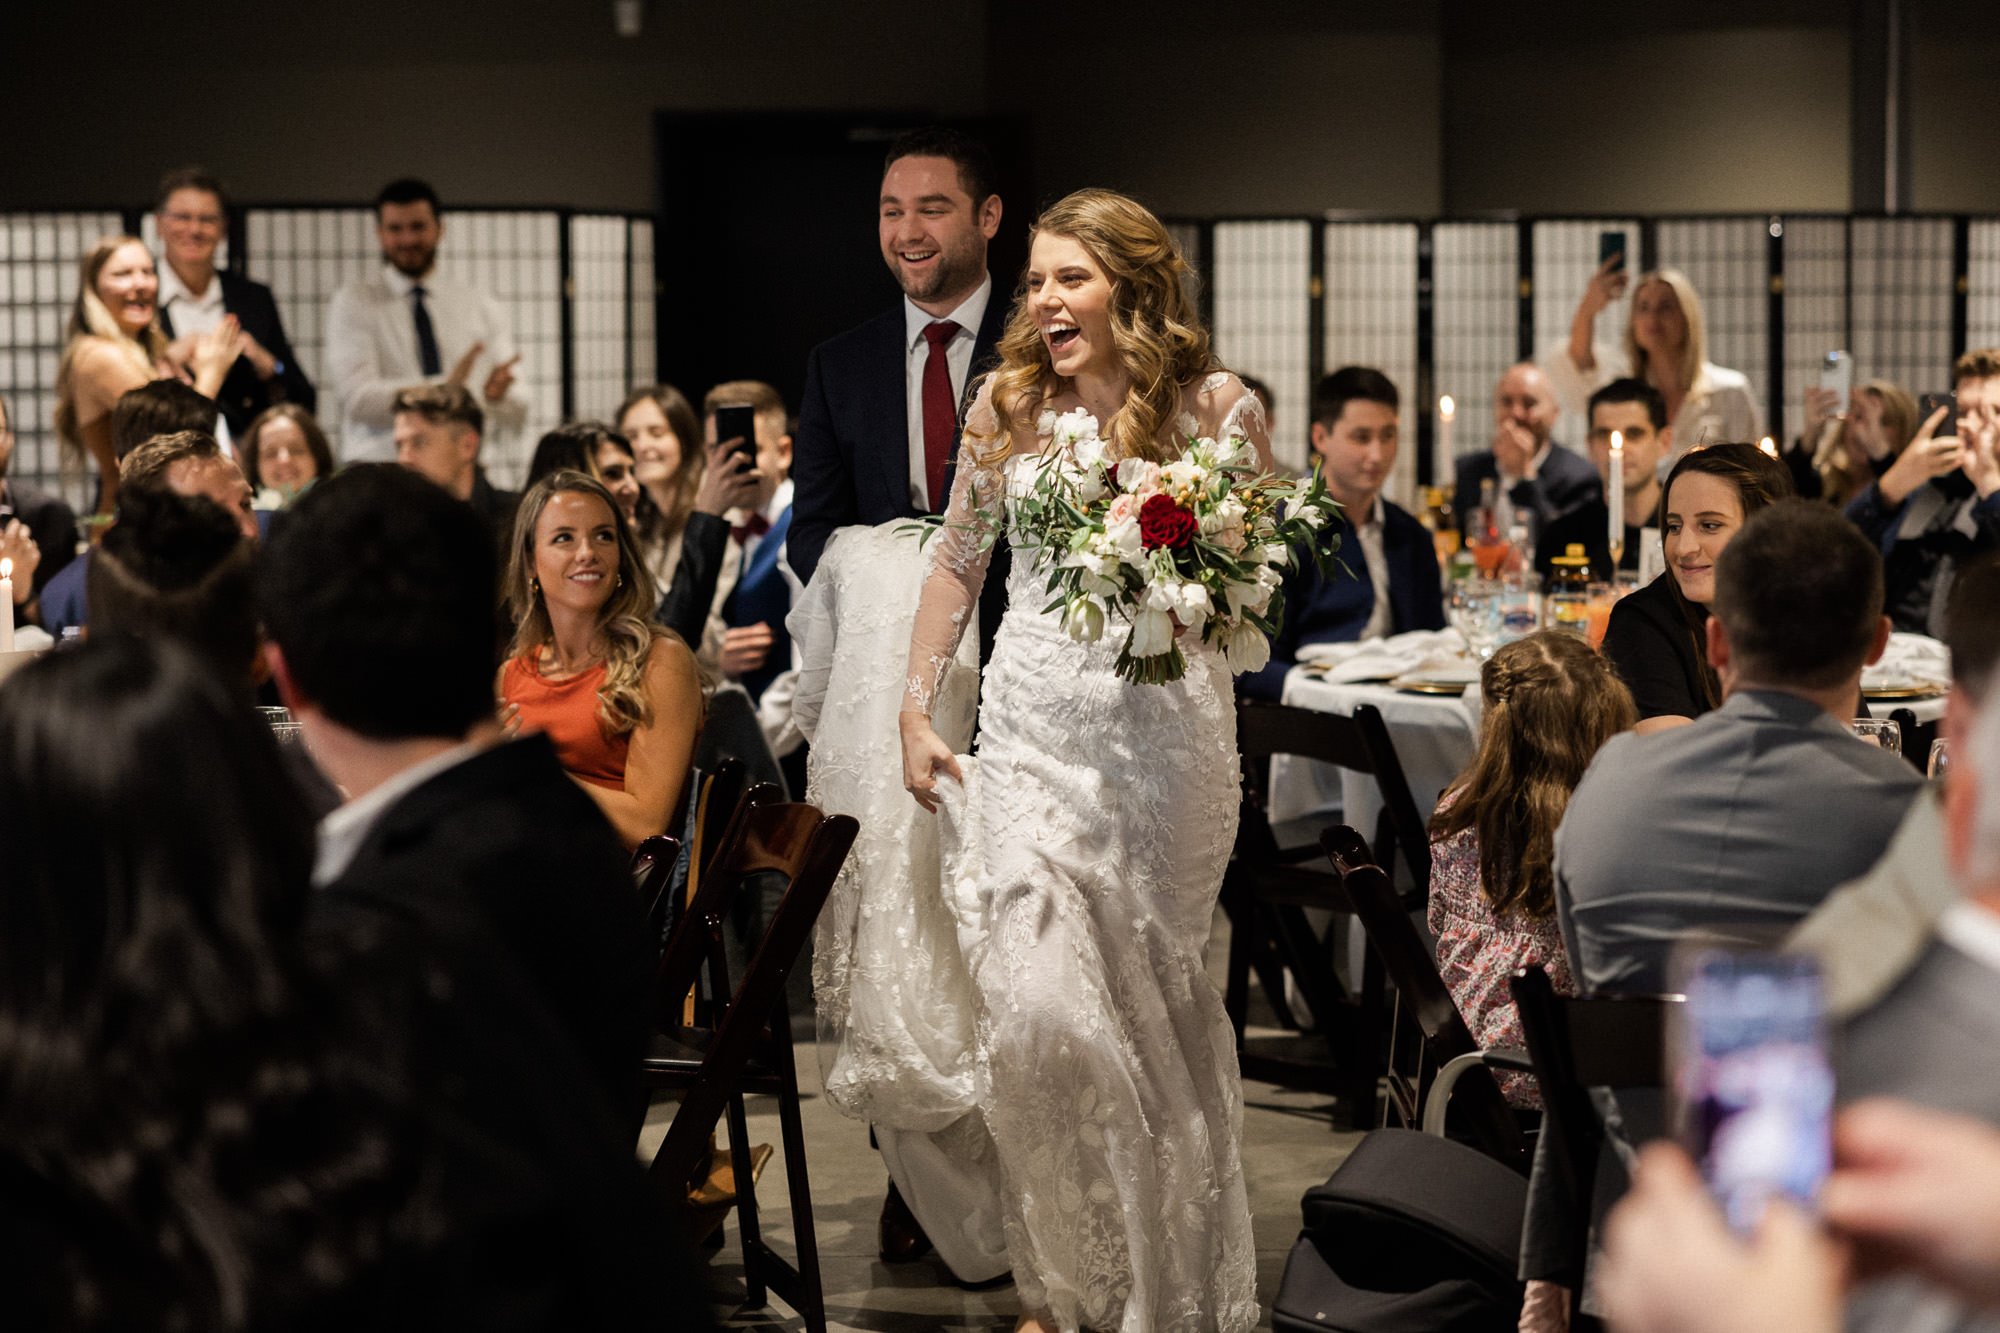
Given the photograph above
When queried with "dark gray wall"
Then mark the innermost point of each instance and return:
(1254, 107)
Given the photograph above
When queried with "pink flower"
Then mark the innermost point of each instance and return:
(1123, 507)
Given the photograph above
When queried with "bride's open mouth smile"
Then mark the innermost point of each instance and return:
(1061, 335)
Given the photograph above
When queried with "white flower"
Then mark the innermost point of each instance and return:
(1152, 634)
(1132, 472)
(1083, 618)
(1234, 452)
(1090, 486)
(1073, 426)
(1098, 567)
(1245, 648)
(1124, 537)
(1241, 597)
(1183, 474)
(1046, 423)
(1089, 453)
(1191, 603)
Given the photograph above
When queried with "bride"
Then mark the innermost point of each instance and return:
(1097, 819)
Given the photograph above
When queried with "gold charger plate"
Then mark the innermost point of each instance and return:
(1902, 693)
(1419, 685)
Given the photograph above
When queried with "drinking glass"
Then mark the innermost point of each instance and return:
(1879, 731)
(1520, 605)
(274, 716)
(1475, 614)
(1940, 762)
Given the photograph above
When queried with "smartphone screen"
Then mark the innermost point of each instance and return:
(738, 421)
(1611, 243)
(1754, 1079)
(1837, 373)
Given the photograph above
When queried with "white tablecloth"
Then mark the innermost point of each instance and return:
(1435, 737)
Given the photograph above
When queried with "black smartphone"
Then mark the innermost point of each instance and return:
(1931, 402)
(1754, 1076)
(1611, 244)
(738, 421)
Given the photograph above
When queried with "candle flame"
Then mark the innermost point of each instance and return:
(1617, 441)
(1769, 446)
(6, 568)
(1446, 407)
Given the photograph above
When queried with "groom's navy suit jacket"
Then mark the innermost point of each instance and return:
(850, 454)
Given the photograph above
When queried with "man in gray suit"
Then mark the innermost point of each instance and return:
(1867, 934)
(1736, 826)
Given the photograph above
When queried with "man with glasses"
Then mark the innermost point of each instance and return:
(192, 212)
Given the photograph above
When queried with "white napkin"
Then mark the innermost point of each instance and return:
(1384, 659)
(1910, 659)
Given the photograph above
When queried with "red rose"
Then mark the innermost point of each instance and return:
(1162, 522)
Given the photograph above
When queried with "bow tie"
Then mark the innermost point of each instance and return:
(754, 526)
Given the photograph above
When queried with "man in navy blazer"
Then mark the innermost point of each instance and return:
(1528, 468)
(1390, 584)
(193, 218)
(879, 424)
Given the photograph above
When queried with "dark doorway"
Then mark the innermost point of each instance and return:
(766, 236)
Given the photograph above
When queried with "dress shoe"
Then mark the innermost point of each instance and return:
(903, 1240)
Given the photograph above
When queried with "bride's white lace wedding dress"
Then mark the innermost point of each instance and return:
(1094, 828)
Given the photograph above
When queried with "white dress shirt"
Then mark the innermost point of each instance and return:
(958, 355)
(342, 831)
(192, 315)
(371, 355)
(1383, 618)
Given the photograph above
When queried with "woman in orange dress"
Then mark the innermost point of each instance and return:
(619, 697)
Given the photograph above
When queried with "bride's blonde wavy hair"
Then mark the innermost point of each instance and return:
(1155, 328)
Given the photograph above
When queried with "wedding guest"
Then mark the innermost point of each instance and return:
(754, 596)
(1550, 703)
(408, 326)
(1937, 507)
(303, 1133)
(601, 453)
(1704, 828)
(1635, 410)
(178, 567)
(439, 429)
(192, 211)
(283, 452)
(1868, 932)
(377, 594)
(1655, 636)
(879, 421)
(1666, 345)
(161, 407)
(619, 697)
(115, 345)
(37, 530)
(1390, 584)
(1840, 453)
(664, 431)
(186, 462)
(1529, 469)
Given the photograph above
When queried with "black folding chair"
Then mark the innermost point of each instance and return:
(1449, 1069)
(1268, 888)
(746, 1044)
(1575, 1045)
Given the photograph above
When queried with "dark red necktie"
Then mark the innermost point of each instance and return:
(940, 411)
(754, 526)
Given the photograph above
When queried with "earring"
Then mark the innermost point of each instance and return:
(619, 584)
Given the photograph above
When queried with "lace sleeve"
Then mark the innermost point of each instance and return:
(1224, 400)
(960, 552)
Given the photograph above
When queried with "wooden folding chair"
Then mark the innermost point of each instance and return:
(1449, 1067)
(1268, 888)
(746, 1045)
(1575, 1045)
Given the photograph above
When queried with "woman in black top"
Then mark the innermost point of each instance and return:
(1658, 636)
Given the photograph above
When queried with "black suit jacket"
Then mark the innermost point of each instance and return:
(49, 521)
(504, 851)
(243, 395)
(850, 454)
(1566, 480)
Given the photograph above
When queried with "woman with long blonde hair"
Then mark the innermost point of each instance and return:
(1666, 345)
(115, 345)
(1095, 820)
(619, 698)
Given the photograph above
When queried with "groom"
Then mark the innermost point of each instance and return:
(878, 429)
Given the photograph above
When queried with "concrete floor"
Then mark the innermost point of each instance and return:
(1288, 1145)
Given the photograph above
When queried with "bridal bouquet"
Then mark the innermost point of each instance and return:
(1198, 544)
